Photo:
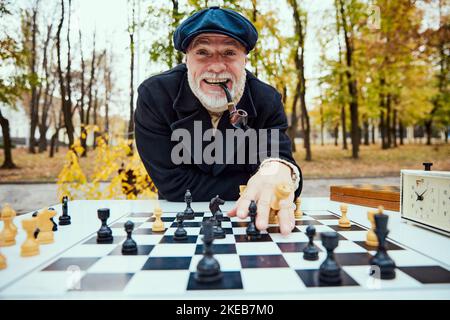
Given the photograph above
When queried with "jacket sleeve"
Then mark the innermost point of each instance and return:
(276, 120)
(153, 141)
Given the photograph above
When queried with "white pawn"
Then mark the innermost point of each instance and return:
(371, 239)
(298, 211)
(9, 232)
(3, 264)
(344, 222)
(158, 224)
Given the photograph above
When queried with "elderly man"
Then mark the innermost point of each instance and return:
(192, 98)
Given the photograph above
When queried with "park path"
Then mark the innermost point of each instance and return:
(28, 197)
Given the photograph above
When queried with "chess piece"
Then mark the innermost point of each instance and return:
(298, 213)
(344, 222)
(3, 263)
(55, 226)
(208, 268)
(252, 232)
(9, 232)
(189, 214)
(180, 234)
(104, 234)
(381, 258)
(217, 217)
(158, 224)
(310, 252)
(282, 191)
(31, 246)
(45, 226)
(242, 188)
(129, 247)
(330, 271)
(65, 219)
(371, 239)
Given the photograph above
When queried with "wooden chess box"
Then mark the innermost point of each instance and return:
(367, 195)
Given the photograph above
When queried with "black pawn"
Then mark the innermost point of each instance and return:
(129, 247)
(64, 219)
(188, 212)
(310, 252)
(208, 268)
(252, 232)
(218, 231)
(381, 258)
(330, 271)
(55, 226)
(104, 234)
(180, 234)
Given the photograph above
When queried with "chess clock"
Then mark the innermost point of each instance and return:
(425, 198)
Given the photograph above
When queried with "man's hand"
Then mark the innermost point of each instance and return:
(261, 188)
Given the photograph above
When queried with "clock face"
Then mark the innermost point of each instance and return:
(426, 199)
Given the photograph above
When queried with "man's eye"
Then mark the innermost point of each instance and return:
(202, 52)
(230, 53)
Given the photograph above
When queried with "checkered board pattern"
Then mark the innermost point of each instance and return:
(270, 265)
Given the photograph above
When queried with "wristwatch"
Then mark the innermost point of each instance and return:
(295, 173)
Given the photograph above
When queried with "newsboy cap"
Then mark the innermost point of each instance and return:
(216, 20)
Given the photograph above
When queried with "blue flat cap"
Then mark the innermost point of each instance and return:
(216, 20)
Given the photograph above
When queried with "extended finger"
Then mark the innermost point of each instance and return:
(286, 216)
(263, 203)
(244, 201)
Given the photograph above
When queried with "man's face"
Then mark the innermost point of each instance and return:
(212, 58)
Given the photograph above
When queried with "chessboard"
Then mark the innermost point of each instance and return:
(76, 266)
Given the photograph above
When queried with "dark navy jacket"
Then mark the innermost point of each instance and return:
(166, 103)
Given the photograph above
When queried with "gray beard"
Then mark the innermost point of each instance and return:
(219, 103)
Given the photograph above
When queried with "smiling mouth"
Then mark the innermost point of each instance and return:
(216, 82)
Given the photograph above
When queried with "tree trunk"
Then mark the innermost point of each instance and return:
(34, 102)
(321, 125)
(336, 135)
(292, 130)
(428, 130)
(387, 122)
(402, 130)
(373, 132)
(299, 64)
(95, 117)
(131, 31)
(352, 85)
(366, 132)
(48, 94)
(53, 143)
(446, 135)
(7, 144)
(42, 138)
(83, 132)
(341, 89)
(382, 129)
(66, 103)
(344, 128)
(176, 16)
(394, 128)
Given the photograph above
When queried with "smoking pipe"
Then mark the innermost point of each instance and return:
(238, 117)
